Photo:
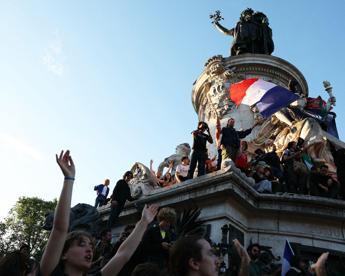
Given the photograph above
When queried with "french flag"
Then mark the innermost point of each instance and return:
(268, 97)
(288, 253)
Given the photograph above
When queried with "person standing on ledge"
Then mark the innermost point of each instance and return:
(199, 154)
(102, 193)
(230, 139)
(121, 194)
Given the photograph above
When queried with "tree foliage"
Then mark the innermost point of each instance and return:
(24, 225)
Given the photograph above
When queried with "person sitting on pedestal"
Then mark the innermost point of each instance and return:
(182, 169)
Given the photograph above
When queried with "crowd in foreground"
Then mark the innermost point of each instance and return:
(75, 253)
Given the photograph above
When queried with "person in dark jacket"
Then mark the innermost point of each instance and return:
(199, 154)
(230, 140)
(102, 193)
(120, 195)
(157, 240)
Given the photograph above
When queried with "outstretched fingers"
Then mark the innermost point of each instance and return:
(149, 212)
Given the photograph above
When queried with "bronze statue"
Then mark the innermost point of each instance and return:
(251, 34)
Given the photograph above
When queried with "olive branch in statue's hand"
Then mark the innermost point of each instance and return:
(216, 17)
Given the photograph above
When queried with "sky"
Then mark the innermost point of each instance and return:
(112, 80)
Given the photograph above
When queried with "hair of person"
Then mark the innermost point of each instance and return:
(252, 245)
(259, 151)
(203, 124)
(182, 251)
(14, 263)
(184, 158)
(165, 177)
(24, 245)
(127, 173)
(167, 214)
(290, 144)
(75, 236)
(147, 269)
(106, 181)
(104, 232)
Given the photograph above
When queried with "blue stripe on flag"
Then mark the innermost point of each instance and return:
(288, 253)
(274, 100)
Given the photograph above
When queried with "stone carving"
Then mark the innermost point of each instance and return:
(82, 217)
(143, 181)
(251, 34)
(217, 102)
(181, 150)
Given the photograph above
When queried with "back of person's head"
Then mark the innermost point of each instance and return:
(147, 269)
(14, 264)
(181, 252)
(168, 214)
(291, 144)
(25, 249)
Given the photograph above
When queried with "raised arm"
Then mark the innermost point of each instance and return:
(209, 138)
(128, 247)
(52, 253)
(320, 266)
(224, 30)
(245, 259)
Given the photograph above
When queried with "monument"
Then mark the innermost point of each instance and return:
(231, 208)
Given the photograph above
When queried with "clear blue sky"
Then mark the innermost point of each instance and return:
(111, 80)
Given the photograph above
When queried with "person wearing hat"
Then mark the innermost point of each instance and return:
(199, 154)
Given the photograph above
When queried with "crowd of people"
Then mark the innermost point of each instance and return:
(294, 171)
(148, 248)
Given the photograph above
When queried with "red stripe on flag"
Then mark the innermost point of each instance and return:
(238, 90)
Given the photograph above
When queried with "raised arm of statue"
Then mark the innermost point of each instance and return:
(216, 17)
(224, 30)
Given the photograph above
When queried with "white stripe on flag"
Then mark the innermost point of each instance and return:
(256, 91)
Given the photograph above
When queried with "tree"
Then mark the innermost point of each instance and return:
(24, 225)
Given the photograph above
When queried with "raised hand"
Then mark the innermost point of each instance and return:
(66, 164)
(320, 266)
(241, 251)
(149, 213)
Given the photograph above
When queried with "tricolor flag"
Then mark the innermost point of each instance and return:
(268, 97)
(288, 253)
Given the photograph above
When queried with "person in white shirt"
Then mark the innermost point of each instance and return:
(182, 169)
